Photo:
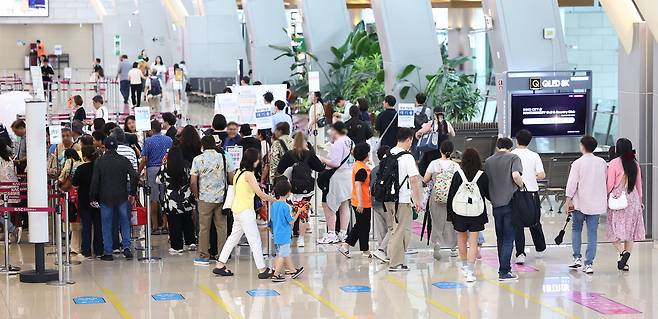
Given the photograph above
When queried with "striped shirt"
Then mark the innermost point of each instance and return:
(128, 153)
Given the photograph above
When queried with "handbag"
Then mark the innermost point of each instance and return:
(324, 177)
(525, 208)
(618, 203)
(431, 141)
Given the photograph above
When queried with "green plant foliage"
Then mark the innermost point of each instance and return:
(454, 92)
(364, 80)
(299, 68)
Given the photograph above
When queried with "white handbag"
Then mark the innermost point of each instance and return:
(618, 203)
(230, 194)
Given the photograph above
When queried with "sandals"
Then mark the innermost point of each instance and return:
(222, 272)
(623, 259)
(267, 274)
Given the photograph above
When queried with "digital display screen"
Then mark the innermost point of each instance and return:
(559, 114)
(23, 8)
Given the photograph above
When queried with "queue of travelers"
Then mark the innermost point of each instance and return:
(206, 201)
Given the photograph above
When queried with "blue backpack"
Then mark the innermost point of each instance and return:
(156, 89)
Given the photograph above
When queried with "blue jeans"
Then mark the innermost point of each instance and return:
(107, 212)
(592, 221)
(505, 234)
(124, 88)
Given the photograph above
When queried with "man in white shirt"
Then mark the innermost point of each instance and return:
(533, 170)
(410, 189)
(101, 110)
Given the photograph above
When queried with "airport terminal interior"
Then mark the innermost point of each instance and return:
(123, 122)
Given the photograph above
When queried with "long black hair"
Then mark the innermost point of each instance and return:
(471, 163)
(176, 166)
(250, 157)
(625, 152)
(318, 95)
(5, 154)
(190, 141)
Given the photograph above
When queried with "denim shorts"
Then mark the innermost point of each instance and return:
(283, 250)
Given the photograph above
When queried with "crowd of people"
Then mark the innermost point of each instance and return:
(206, 201)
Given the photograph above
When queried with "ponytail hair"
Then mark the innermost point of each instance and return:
(447, 148)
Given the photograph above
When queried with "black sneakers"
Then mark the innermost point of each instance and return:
(107, 258)
(128, 254)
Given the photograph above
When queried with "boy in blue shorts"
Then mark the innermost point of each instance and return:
(282, 221)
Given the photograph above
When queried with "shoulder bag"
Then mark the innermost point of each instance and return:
(324, 177)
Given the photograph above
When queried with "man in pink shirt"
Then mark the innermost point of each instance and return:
(586, 200)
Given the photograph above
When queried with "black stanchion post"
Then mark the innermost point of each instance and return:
(7, 268)
(67, 230)
(148, 256)
(60, 259)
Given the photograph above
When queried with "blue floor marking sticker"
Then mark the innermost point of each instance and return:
(262, 293)
(88, 300)
(355, 289)
(447, 285)
(168, 296)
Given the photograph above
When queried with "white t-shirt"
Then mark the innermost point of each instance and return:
(102, 112)
(441, 164)
(532, 166)
(408, 169)
(135, 76)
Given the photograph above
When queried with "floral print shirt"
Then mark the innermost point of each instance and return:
(209, 167)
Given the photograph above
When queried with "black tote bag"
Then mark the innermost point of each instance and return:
(526, 208)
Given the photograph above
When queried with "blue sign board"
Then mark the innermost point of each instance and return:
(447, 285)
(355, 288)
(167, 296)
(88, 300)
(262, 293)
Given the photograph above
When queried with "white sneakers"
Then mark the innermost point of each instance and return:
(470, 276)
(577, 263)
(300, 241)
(520, 259)
(381, 255)
(454, 253)
(328, 238)
(342, 236)
(588, 269)
(175, 251)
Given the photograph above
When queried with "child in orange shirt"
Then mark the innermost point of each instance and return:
(361, 202)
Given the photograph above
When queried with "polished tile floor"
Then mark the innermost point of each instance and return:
(432, 289)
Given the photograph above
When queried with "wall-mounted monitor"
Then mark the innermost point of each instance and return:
(24, 8)
(555, 114)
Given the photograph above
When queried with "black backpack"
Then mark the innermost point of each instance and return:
(420, 118)
(387, 183)
(302, 177)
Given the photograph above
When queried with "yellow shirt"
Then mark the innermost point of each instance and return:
(244, 195)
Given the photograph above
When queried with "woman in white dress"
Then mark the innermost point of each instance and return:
(337, 200)
(315, 119)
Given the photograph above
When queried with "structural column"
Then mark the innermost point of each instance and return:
(407, 35)
(517, 42)
(319, 35)
(267, 25)
(213, 41)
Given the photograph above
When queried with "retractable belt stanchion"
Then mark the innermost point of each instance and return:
(67, 230)
(148, 256)
(7, 268)
(53, 202)
(60, 259)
